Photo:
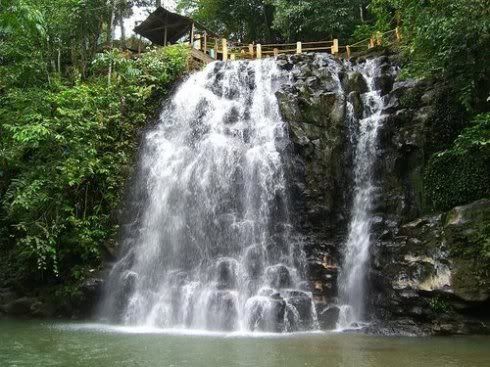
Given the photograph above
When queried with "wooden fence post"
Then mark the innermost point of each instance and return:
(205, 42)
(335, 46)
(251, 50)
(276, 52)
(198, 42)
(299, 48)
(379, 38)
(225, 49)
(259, 51)
(192, 36)
(232, 57)
(398, 34)
(348, 51)
(371, 43)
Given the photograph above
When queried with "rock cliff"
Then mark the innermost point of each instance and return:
(429, 272)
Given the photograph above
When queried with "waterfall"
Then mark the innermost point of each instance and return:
(352, 278)
(210, 242)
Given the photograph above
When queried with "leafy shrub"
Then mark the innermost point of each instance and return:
(447, 122)
(444, 37)
(461, 174)
(66, 153)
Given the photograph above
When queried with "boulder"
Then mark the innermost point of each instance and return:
(357, 83)
(222, 312)
(299, 307)
(356, 102)
(266, 313)
(328, 317)
(226, 276)
(467, 235)
(24, 306)
(278, 277)
(7, 295)
(384, 83)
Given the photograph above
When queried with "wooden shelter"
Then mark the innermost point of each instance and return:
(163, 27)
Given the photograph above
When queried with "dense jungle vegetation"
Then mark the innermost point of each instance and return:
(72, 101)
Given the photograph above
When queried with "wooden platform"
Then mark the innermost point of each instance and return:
(163, 27)
(200, 56)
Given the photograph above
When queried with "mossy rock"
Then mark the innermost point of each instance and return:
(467, 234)
(357, 83)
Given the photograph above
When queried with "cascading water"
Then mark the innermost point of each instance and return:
(211, 245)
(352, 279)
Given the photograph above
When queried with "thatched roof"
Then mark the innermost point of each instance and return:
(153, 27)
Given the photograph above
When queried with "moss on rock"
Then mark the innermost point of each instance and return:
(467, 234)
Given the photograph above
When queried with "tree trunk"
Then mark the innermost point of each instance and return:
(59, 61)
(123, 30)
(268, 33)
(110, 21)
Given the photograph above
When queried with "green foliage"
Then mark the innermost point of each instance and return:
(266, 20)
(22, 35)
(315, 20)
(461, 174)
(439, 305)
(411, 99)
(245, 21)
(66, 152)
(450, 38)
(448, 120)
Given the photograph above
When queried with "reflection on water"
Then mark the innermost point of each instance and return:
(46, 344)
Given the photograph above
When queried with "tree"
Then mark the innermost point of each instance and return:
(314, 20)
(244, 21)
(446, 38)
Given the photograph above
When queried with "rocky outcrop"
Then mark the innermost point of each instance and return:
(428, 273)
(26, 307)
(44, 304)
(436, 271)
(314, 106)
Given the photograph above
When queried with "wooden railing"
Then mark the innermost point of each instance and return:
(222, 49)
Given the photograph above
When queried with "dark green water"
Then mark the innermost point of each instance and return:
(54, 344)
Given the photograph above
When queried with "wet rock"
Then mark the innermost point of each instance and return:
(279, 277)
(466, 232)
(122, 294)
(284, 64)
(24, 306)
(421, 267)
(400, 327)
(232, 116)
(254, 261)
(267, 313)
(328, 317)
(7, 295)
(384, 83)
(222, 311)
(355, 100)
(299, 310)
(226, 273)
(357, 83)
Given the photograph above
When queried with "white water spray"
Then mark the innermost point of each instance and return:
(211, 246)
(352, 280)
